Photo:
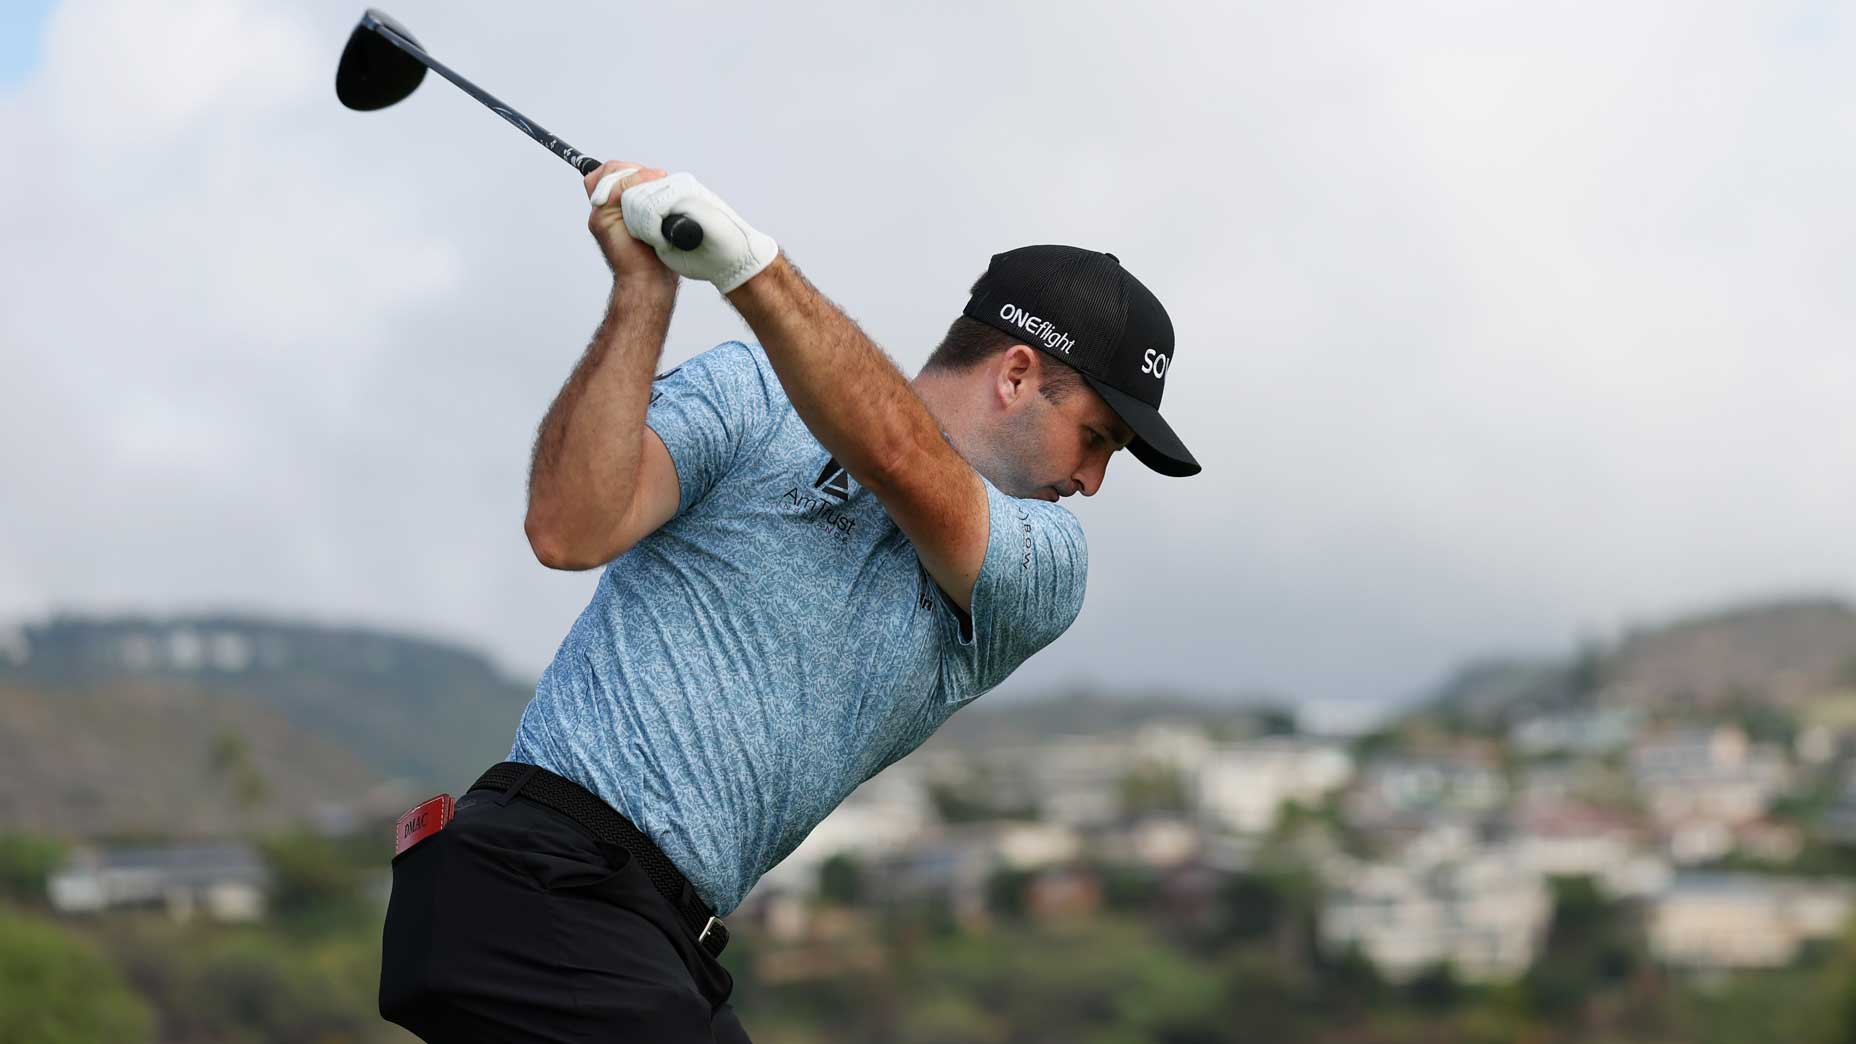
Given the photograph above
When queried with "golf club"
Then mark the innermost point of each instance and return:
(382, 64)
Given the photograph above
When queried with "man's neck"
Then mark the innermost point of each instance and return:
(944, 395)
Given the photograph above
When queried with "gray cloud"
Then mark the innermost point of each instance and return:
(1497, 325)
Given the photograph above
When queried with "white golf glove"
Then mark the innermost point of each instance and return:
(732, 251)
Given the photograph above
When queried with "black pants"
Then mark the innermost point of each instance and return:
(513, 923)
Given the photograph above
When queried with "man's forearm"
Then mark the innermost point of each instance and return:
(852, 397)
(585, 465)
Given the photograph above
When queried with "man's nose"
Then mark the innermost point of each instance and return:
(1089, 479)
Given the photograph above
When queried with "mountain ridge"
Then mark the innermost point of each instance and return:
(227, 722)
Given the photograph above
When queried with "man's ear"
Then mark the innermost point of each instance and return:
(1016, 375)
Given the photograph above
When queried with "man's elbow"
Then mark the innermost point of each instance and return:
(553, 551)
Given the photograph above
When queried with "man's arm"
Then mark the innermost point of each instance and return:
(861, 408)
(600, 480)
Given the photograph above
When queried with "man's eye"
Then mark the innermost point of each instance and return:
(1095, 437)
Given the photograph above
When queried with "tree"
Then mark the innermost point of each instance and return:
(841, 880)
(1153, 788)
(1436, 988)
(1592, 943)
(26, 861)
(1005, 891)
(1349, 983)
(311, 876)
(229, 759)
(56, 989)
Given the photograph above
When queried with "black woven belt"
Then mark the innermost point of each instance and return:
(605, 823)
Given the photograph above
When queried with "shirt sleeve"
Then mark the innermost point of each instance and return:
(706, 411)
(1029, 591)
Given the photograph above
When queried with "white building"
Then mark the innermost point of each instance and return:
(1158, 841)
(1074, 780)
(1567, 839)
(1458, 782)
(1589, 732)
(1180, 746)
(1033, 845)
(880, 817)
(1078, 780)
(225, 880)
(1726, 921)
(1244, 786)
(1485, 916)
(1701, 784)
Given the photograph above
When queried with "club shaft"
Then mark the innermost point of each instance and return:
(580, 161)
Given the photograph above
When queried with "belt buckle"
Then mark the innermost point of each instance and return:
(714, 922)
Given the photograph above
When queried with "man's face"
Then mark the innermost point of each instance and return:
(1050, 450)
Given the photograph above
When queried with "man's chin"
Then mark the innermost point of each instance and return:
(1030, 492)
(1006, 484)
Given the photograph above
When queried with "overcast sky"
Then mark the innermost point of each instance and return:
(1499, 324)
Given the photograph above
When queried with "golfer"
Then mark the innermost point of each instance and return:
(811, 563)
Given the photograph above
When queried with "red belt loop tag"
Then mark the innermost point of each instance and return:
(421, 822)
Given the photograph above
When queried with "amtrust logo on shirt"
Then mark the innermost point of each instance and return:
(1038, 328)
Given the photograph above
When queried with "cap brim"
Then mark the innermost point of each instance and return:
(1154, 443)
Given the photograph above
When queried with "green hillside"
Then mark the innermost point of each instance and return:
(104, 721)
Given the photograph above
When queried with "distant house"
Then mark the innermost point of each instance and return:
(1077, 780)
(950, 872)
(1485, 916)
(1726, 921)
(1572, 839)
(1467, 781)
(1243, 787)
(1160, 842)
(1063, 894)
(1770, 841)
(1031, 846)
(887, 813)
(1838, 822)
(1701, 784)
(227, 881)
(1181, 746)
(1589, 732)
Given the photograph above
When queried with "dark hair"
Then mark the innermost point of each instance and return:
(970, 342)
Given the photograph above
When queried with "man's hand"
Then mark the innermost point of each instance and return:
(631, 261)
(732, 251)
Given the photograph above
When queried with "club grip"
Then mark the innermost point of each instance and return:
(682, 232)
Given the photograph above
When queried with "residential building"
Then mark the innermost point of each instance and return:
(1593, 732)
(1738, 921)
(1243, 786)
(885, 814)
(1466, 781)
(1702, 784)
(1485, 916)
(227, 881)
(1571, 839)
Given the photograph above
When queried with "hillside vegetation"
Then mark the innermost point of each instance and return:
(205, 725)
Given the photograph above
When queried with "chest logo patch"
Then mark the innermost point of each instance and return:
(819, 503)
(833, 481)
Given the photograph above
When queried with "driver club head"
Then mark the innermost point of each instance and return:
(374, 72)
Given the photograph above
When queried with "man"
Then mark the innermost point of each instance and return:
(810, 565)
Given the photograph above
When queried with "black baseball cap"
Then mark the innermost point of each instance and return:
(1082, 307)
